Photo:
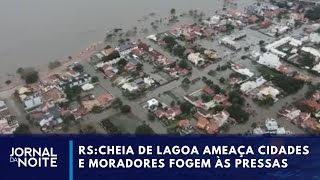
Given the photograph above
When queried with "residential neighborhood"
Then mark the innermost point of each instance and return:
(249, 69)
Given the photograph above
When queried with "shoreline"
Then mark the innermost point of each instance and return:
(83, 55)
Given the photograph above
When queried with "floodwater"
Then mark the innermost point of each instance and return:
(35, 32)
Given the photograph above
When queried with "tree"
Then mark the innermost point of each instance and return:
(313, 13)
(78, 68)
(125, 109)
(139, 67)
(97, 109)
(186, 82)
(73, 92)
(151, 116)
(88, 129)
(206, 98)
(173, 11)
(173, 103)
(113, 55)
(236, 98)
(31, 76)
(116, 103)
(54, 64)
(222, 80)
(144, 129)
(183, 64)
(169, 40)
(254, 125)
(307, 60)
(185, 107)
(261, 42)
(238, 113)
(94, 79)
(22, 129)
(20, 70)
(122, 62)
(179, 51)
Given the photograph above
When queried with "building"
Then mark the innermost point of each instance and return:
(126, 49)
(230, 43)
(251, 85)
(244, 71)
(3, 106)
(8, 126)
(196, 59)
(87, 87)
(76, 81)
(271, 127)
(273, 47)
(53, 95)
(268, 91)
(32, 102)
(270, 60)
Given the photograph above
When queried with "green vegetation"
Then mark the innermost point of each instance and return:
(179, 50)
(151, 116)
(186, 82)
(238, 113)
(78, 68)
(235, 97)
(170, 42)
(313, 14)
(30, 75)
(268, 101)
(116, 103)
(125, 109)
(97, 109)
(88, 129)
(122, 62)
(111, 56)
(307, 60)
(72, 93)
(139, 67)
(183, 64)
(94, 79)
(22, 129)
(185, 107)
(206, 98)
(287, 84)
(54, 64)
(222, 80)
(144, 129)
(173, 11)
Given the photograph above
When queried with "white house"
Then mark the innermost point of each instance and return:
(269, 59)
(87, 87)
(3, 106)
(195, 58)
(251, 85)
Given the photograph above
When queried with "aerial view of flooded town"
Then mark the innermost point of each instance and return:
(233, 67)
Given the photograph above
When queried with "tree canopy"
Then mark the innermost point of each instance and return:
(183, 64)
(22, 129)
(144, 129)
(95, 79)
(307, 60)
(31, 76)
(125, 109)
(238, 113)
(185, 107)
(173, 11)
(78, 68)
(54, 64)
(313, 14)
